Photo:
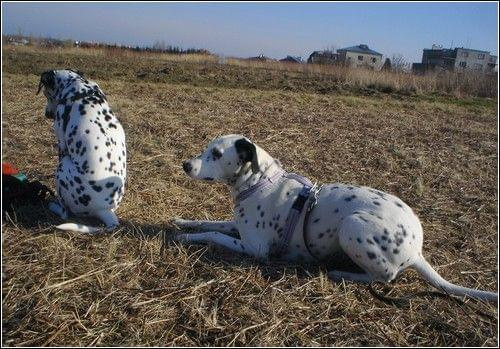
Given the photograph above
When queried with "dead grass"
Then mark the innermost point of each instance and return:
(438, 154)
(212, 71)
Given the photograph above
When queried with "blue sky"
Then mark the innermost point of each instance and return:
(274, 29)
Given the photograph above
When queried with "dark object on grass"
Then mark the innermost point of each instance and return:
(17, 190)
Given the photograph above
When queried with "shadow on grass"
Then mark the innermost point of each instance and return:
(40, 220)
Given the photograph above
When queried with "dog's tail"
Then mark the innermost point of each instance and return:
(79, 228)
(429, 274)
(108, 217)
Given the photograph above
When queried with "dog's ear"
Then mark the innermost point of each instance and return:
(47, 79)
(247, 152)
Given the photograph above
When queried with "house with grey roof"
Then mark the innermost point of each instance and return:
(458, 59)
(360, 56)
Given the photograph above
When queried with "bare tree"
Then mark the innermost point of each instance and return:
(399, 63)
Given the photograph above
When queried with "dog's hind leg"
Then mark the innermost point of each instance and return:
(361, 239)
(220, 226)
(109, 218)
(58, 208)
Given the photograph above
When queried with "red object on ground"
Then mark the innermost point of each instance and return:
(8, 169)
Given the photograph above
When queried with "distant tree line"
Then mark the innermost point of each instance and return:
(158, 46)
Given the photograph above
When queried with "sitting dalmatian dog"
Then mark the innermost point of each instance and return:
(283, 215)
(91, 174)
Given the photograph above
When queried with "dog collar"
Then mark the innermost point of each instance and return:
(262, 183)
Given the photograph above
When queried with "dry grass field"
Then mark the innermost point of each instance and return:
(137, 287)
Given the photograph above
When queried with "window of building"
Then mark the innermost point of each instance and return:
(465, 54)
(463, 64)
(374, 60)
(480, 56)
(360, 58)
(478, 66)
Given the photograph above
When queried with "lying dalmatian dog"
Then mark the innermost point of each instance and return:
(91, 174)
(284, 215)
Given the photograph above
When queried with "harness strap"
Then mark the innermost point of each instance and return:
(261, 184)
(309, 189)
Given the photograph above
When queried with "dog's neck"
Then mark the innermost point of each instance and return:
(75, 88)
(247, 178)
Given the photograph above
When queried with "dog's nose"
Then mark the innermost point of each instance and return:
(186, 165)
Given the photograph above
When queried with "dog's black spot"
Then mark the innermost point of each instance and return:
(376, 203)
(369, 241)
(316, 220)
(77, 179)
(371, 255)
(349, 198)
(320, 235)
(336, 210)
(216, 153)
(395, 251)
(97, 188)
(65, 116)
(359, 240)
(376, 239)
(383, 248)
(84, 199)
(109, 185)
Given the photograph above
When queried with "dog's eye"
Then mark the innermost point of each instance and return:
(216, 153)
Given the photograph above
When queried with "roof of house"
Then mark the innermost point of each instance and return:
(260, 57)
(470, 49)
(326, 52)
(360, 49)
(292, 59)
